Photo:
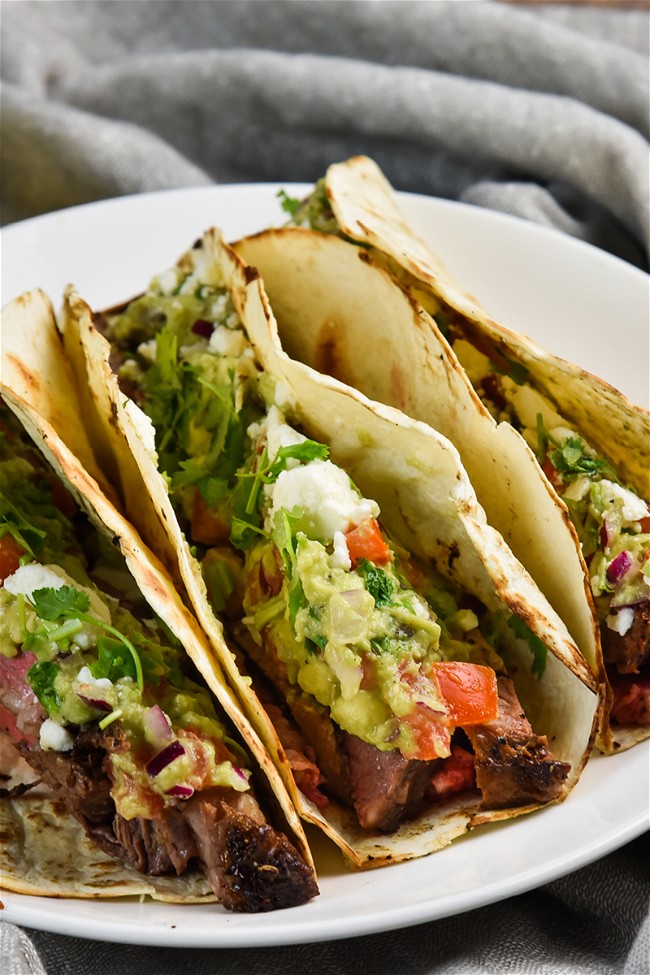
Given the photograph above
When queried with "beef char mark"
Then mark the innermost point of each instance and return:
(251, 867)
(513, 765)
(629, 653)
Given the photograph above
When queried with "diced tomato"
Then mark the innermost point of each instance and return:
(468, 690)
(367, 542)
(432, 738)
(10, 553)
(631, 699)
(208, 525)
(552, 473)
(645, 525)
(453, 774)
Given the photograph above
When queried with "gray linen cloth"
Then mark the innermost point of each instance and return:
(536, 110)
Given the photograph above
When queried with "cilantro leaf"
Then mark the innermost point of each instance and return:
(290, 204)
(377, 582)
(112, 660)
(41, 679)
(64, 603)
(537, 648)
(572, 459)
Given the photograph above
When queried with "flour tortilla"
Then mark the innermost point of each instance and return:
(28, 815)
(329, 299)
(417, 478)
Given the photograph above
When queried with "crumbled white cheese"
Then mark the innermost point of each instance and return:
(325, 496)
(564, 433)
(280, 434)
(168, 281)
(28, 578)
(634, 509)
(53, 738)
(85, 677)
(227, 341)
(148, 350)
(621, 621)
(577, 489)
(340, 557)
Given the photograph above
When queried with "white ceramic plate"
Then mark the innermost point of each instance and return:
(579, 302)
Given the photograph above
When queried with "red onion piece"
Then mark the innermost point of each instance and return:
(239, 772)
(97, 702)
(163, 758)
(203, 328)
(606, 535)
(619, 567)
(157, 724)
(181, 791)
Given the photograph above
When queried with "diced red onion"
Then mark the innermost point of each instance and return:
(239, 772)
(619, 567)
(181, 791)
(605, 536)
(97, 702)
(203, 328)
(355, 598)
(157, 724)
(163, 758)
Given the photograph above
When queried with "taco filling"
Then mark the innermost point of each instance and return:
(99, 700)
(611, 519)
(392, 680)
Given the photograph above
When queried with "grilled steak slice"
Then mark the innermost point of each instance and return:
(386, 788)
(251, 867)
(513, 765)
(628, 653)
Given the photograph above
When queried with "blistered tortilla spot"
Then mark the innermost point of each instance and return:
(29, 378)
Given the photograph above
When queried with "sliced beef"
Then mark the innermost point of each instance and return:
(630, 652)
(21, 713)
(251, 866)
(157, 846)
(513, 765)
(386, 788)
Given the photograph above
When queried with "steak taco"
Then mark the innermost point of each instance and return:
(558, 458)
(121, 773)
(408, 677)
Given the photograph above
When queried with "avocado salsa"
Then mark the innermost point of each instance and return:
(286, 541)
(86, 645)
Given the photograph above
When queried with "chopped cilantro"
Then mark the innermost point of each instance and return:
(571, 459)
(70, 603)
(41, 679)
(377, 582)
(290, 204)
